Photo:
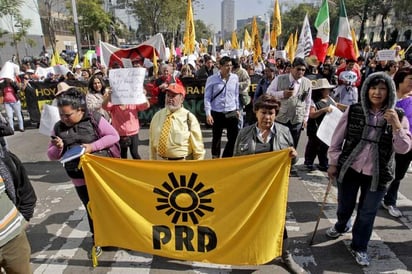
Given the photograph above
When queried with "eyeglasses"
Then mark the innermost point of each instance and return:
(300, 69)
(67, 116)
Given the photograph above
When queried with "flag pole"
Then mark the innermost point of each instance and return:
(321, 210)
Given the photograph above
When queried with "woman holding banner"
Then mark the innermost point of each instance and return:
(264, 136)
(79, 127)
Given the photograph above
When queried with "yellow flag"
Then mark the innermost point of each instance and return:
(295, 44)
(234, 42)
(76, 60)
(355, 43)
(393, 46)
(187, 210)
(331, 50)
(155, 65)
(247, 40)
(172, 52)
(190, 35)
(257, 49)
(276, 26)
(289, 47)
(86, 62)
(55, 59)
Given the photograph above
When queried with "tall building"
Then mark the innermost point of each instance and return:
(228, 18)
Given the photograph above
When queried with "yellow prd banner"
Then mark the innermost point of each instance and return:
(225, 211)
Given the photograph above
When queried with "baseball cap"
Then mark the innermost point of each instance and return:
(176, 88)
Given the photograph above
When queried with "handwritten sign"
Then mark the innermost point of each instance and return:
(127, 86)
(280, 54)
(328, 125)
(386, 55)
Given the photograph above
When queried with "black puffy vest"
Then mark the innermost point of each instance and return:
(355, 125)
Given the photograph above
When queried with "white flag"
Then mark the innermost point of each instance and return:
(305, 43)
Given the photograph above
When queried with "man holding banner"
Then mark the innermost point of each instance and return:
(175, 133)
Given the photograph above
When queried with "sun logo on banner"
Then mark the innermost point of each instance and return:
(182, 200)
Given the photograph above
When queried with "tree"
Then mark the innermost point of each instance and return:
(382, 8)
(202, 31)
(166, 16)
(293, 20)
(92, 17)
(10, 11)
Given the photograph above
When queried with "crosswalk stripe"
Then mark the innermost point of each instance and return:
(383, 259)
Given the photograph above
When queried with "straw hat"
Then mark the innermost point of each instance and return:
(321, 84)
(62, 87)
(312, 61)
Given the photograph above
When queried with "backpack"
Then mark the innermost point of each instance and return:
(25, 195)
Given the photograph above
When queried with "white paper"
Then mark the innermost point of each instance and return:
(328, 125)
(9, 70)
(49, 117)
(386, 55)
(42, 72)
(127, 86)
(127, 63)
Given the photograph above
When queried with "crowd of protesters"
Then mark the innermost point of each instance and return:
(304, 88)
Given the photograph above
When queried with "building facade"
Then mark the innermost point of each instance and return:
(228, 18)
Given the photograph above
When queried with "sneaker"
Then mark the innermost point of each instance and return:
(322, 168)
(293, 172)
(392, 210)
(361, 257)
(310, 167)
(333, 233)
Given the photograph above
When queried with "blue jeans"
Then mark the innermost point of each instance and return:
(402, 162)
(369, 202)
(16, 108)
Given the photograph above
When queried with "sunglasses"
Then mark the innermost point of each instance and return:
(300, 69)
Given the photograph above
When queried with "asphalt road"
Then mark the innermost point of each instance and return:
(59, 237)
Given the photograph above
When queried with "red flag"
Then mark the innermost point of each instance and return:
(321, 42)
(344, 43)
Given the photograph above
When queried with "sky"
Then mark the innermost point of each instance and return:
(210, 13)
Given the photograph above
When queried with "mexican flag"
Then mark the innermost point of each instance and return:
(344, 43)
(320, 45)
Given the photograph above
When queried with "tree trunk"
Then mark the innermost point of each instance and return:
(362, 27)
(382, 33)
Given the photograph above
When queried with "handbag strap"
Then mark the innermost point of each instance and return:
(217, 94)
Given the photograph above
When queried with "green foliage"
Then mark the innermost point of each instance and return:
(159, 15)
(92, 16)
(202, 31)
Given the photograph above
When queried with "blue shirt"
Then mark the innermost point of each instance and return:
(228, 100)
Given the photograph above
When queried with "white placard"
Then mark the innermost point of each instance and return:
(42, 72)
(127, 63)
(60, 69)
(9, 70)
(280, 54)
(328, 125)
(127, 86)
(386, 55)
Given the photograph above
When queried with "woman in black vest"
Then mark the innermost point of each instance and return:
(361, 158)
(79, 127)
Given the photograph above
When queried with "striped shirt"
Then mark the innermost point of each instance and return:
(11, 220)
